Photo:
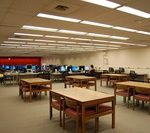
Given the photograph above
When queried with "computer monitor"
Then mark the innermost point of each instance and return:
(12, 67)
(62, 68)
(81, 68)
(29, 66)
(111, 69)
(121, 69)
(74, 68)
(7, 67)
(33, 67)
(86, 68)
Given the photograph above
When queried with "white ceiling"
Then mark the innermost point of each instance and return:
(16, 13)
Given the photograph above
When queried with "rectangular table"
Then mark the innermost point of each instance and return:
(118, 77)
(86, 98)
(80, 79)
(132, 85)
(36, 81)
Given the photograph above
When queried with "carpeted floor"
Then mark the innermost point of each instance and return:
(17, 116)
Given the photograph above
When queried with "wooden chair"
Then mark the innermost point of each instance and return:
(141, 94)
(56, 103)
(125, 92)
(73, 110)
(68, 82)
(103, 78)
(23, 89)
(105, 109)
(112, 81)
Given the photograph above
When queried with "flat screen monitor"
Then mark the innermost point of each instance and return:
(75, 68)
(86, 68)
(81, 68)
(33, 67)
(13, 67)
(121, 69)
(7, 67)
(63, 69)
(29, 66)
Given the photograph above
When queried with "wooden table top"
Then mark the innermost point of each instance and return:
(81, 94)
(80, 77)
(117, 75)
(35, 80)
(135, 84)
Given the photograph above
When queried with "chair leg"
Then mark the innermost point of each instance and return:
(149, 107)
(96, 124)
(142, 104)
(133, 103)
(51, 112)
(60, 117)
(124, 99)
(63, 120)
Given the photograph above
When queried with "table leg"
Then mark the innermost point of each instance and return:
(113, 114)
(83, 119)
(95, 86)
(30, 93)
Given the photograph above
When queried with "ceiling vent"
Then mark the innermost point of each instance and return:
(61, 7)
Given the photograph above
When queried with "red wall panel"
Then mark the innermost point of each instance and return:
(20, 60)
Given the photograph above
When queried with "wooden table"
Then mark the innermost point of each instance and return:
(86, 98)
(36, 81)
(80, 79)
(133, 85)
(118, 77)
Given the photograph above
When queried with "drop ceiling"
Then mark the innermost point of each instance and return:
(14, 14)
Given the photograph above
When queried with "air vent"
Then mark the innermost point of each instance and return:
(61, 8)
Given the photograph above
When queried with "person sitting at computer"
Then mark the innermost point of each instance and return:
(92, 70)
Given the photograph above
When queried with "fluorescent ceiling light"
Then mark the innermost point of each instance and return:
(15, 45)
(14, 42)
(26, 34)
(66, 42)
(100, 41)
(112, 48)
(30, 45)
(124, 29)
(134, 11)
(72, 32)
(98, 35)
(82, 39)
(56, 44)
(96, 24)
(104, 3)
(143, 32)
(61, 37)
(119, 37)
(39, 40)
(142, 45)
(20, 39)
(39, 28)
(58, 17)
(47, 46)
(2, 46)
(84, 43)
(36, 43)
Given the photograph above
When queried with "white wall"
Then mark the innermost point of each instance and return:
(51, 60)
(132, 59)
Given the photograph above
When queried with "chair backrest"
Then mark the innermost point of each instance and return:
(121, 87)
(142, 91)
(55, 96)
(71, 103)
(111, 69)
